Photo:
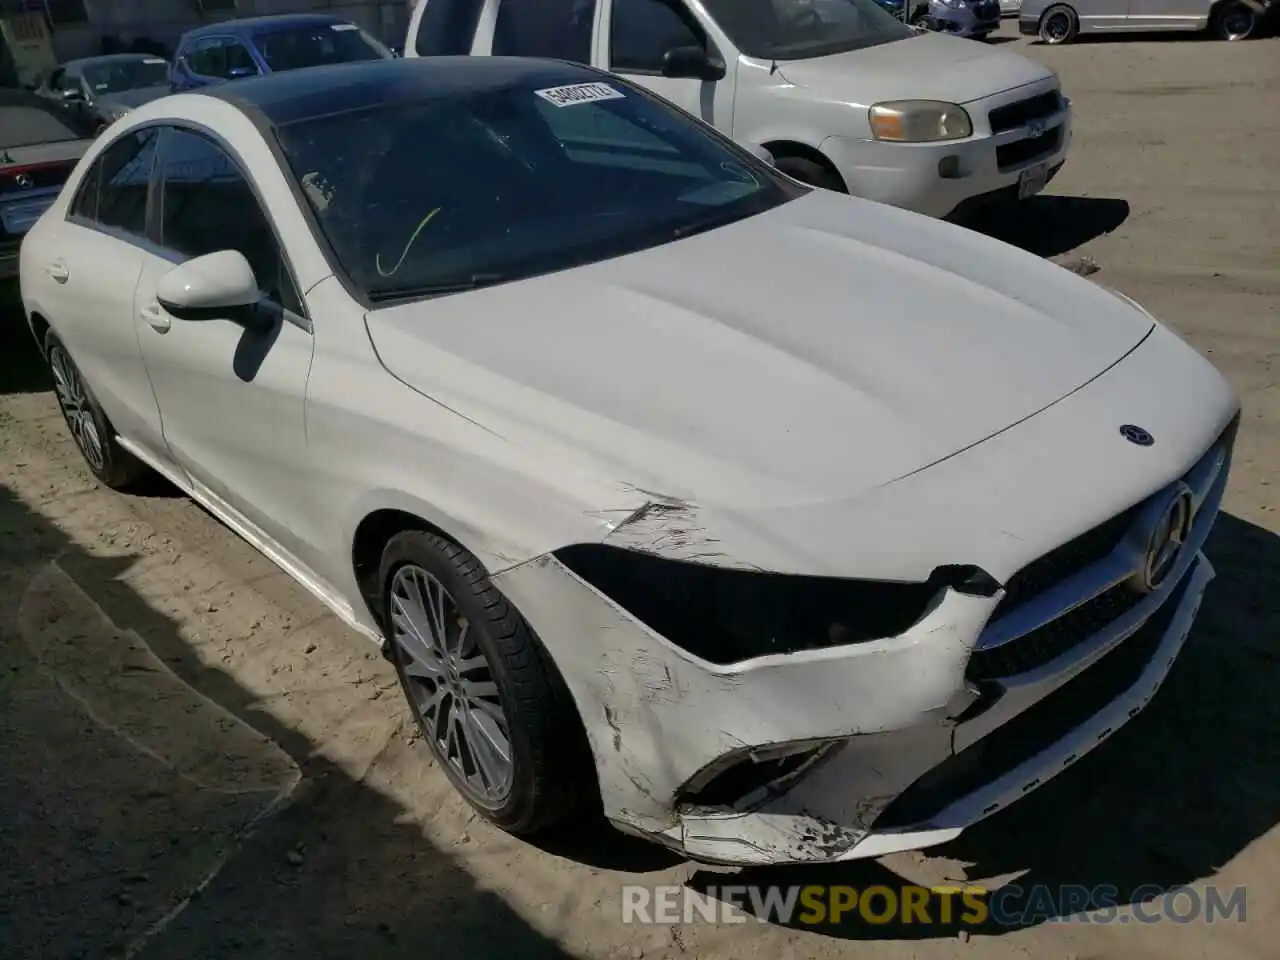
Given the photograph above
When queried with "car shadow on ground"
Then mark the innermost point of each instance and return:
(1167, 801)
(1049, 225)
(92, 830)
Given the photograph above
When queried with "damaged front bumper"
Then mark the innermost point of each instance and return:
(895, 744)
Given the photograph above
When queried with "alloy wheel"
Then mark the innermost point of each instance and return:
(1057, 28)
(451, 685)
(1237, 22)
(74, 401)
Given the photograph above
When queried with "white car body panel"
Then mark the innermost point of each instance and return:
(946, 400)
(820, 104)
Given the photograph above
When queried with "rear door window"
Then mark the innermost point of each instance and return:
(122, 179)
(560, 29)
(447, 27)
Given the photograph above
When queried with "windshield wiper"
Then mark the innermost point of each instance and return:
(413, 291)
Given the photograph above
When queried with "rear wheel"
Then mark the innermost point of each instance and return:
(1234, 21)
(489, 702)
(811, 172)
(95, 438)
(1059, 25)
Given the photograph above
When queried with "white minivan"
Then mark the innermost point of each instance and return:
(841, 93)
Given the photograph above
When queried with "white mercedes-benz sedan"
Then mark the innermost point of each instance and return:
(782, 526)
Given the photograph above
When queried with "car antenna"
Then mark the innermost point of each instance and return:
(773, 67)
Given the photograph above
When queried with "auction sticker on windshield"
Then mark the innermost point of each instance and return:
(576, 93)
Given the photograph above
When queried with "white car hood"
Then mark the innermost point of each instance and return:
(930, 66)
(814, 352)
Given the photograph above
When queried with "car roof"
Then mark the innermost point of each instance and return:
(251, 26)
(292, 95)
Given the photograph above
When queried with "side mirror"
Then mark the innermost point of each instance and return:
(238, 73)
(217, 285)
(692, 63)
(762, 153)
(73, 94)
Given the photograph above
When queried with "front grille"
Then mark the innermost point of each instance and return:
(1019, 114)
(1045, 644)
(1029, 149)
(1065, 561)
(1036, 728)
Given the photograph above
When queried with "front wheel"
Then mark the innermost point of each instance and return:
(1059, 25)
(95, 438)
(486, 697)
(1234, 21)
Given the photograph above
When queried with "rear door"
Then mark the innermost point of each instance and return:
(86, 269)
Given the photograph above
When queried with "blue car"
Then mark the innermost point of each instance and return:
(974, 19)
(219, 52)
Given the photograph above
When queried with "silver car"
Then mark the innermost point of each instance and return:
(1055, 21)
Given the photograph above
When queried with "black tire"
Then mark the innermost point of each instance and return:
(1233, 21)
(810, 172)
(1059, 24)
(95, 438)
(552, 775)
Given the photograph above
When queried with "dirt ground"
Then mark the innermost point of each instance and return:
(197, 761)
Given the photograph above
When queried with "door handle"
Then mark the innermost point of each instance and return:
(58, 270)
(155, 318)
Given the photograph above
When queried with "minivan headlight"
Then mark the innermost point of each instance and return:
(919, 121)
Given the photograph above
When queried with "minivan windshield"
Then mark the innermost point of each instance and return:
(800, 29)
(443, 193)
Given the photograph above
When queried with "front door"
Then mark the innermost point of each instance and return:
(639, 34)
(232, 400)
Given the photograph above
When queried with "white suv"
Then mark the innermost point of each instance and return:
(842, 94)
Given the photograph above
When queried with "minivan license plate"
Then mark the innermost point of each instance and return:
(1032, 180)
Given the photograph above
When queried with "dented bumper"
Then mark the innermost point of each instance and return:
(900, 743)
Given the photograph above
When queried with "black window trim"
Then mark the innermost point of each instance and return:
(681, 10)
(151, 241)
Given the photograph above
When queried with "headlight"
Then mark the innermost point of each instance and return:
(919, 121)
(726, 615)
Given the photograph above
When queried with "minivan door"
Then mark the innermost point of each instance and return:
(641, 37)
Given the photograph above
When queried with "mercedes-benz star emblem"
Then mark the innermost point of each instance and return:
(1164, 544)
(24, 181)
(1135, 434)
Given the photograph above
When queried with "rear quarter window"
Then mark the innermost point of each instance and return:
(447, 27)
(559, 29)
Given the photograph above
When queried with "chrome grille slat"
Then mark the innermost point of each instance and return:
(1092, 601)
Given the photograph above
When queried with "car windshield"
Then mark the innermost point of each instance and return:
(28, 122)
(315, 45)
(799, 29)
(120, 75)
(448, 193)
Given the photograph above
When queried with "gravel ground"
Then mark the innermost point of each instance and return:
(198, 761)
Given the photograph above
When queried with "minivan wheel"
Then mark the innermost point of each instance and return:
(1234, 21)
(1059, 25)
(95, 438)
(810, 172)
(485, 695)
